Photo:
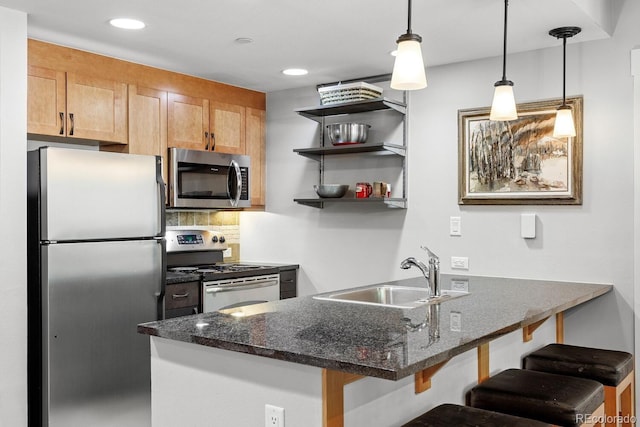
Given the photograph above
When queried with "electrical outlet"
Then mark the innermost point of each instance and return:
(273, 416)
(460, 262)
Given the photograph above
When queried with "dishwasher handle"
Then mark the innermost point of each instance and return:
(230, 288)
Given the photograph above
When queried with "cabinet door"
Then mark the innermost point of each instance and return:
(228, 128)
(255, 144)
(148, 123)
(188, 122)
(96, 109)
(45, 101)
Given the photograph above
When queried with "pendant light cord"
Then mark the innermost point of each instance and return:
(409, 19)
(504, 47)
(564, 71)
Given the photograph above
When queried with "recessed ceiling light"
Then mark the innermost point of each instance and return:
(127, 23)
(295, 72)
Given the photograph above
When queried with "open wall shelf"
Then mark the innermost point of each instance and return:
(380, 148)
(380, 201)
(318, 113)
(395, 148)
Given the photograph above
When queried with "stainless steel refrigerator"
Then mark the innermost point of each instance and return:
(96, 267)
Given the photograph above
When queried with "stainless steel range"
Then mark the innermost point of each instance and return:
(223, 285)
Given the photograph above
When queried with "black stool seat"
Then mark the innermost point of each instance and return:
(449, 415)
(609, 367)
(552, 398)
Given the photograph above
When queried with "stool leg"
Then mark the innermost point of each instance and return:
(625, 400)
(619, 403)
(596, 419)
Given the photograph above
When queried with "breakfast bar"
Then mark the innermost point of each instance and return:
(312, 347)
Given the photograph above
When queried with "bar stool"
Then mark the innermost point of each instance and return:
(448, 415)
(556, 399)
(614, 369)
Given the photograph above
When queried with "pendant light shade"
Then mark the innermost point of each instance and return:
(503, 106)
(564, 126)
(408, 69)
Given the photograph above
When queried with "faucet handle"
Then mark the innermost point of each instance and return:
(431, 254)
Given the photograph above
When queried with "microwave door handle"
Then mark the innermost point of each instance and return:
(236, 168)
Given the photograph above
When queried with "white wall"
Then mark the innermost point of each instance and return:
(13, 264)
(342, 247)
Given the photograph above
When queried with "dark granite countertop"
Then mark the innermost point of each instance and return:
(175, 278)
(271, 264)
(383, 342)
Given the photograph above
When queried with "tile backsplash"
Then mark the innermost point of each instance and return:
(227, 223)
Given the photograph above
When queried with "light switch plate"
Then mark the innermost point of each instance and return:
(528, 226)
(455, 226)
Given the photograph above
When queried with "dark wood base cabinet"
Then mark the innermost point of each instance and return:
(181, 299)
(288, 283)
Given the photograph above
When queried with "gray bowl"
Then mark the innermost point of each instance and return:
(332, 191)
(347, 133)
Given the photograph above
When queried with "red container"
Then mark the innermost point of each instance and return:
(363, 190)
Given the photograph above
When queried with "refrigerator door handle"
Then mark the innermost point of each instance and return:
(161, 286)
(161, 199)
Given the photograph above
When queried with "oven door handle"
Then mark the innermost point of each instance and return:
(216, 289)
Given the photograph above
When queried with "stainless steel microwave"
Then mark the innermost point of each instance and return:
(204, 179)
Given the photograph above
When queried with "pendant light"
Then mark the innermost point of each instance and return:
(564, 126)
(408, 69)
(503, 106)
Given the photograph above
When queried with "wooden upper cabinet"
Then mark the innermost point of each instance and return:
(255, 143)
(148, 123)
(46, 102)
(188, 122)
(96, 108)
(228, 127)
(89, 108)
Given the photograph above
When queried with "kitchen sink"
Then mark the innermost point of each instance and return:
(390, 296)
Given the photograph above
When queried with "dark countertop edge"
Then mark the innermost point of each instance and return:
(275, 268)
(281, 266)
(371, 371)
(186, 278)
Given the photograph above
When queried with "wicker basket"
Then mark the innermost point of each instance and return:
(349, 92)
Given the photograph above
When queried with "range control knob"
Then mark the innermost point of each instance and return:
(222, 239)
(214, 239)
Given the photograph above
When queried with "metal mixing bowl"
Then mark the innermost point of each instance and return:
(333, 191)
(347, 133)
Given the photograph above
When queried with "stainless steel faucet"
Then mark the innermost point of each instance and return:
(431, 273)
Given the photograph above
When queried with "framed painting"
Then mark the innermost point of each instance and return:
(519, 162)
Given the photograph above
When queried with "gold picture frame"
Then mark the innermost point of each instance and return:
(519, 162)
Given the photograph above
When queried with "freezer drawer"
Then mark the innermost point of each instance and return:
(93, 195)
(94, 296)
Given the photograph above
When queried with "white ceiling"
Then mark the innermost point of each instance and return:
(334, 39)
